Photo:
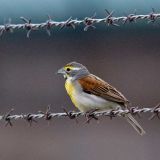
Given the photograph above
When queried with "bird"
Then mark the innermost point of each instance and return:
(90, 93)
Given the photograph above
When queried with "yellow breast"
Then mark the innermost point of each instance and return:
(71, 90)
(69, 87)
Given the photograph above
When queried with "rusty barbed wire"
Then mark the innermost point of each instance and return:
(88, 22)
(48, 115)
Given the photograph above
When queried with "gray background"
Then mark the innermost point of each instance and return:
(128, 57)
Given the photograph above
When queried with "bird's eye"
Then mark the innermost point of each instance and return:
(68, 69)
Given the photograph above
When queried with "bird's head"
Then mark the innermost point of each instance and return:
(73, 70)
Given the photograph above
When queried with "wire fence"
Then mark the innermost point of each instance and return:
(48, 115)
(88, 22)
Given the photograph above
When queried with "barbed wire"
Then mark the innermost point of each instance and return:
(88, 22)
(94, 114)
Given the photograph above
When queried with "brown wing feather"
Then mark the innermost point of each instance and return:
(94, 85)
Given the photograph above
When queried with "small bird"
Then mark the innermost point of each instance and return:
(90, 93)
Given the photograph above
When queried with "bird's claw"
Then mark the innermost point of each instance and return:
(90, 115)
(70, 115)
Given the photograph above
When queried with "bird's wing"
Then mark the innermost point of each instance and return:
(92, 84)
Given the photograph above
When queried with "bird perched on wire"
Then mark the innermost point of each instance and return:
(90, 93)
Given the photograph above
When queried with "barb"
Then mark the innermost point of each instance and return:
(47, 115)
(130, 18)
(88, 22)
(110, 19)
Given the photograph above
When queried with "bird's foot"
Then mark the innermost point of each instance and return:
(112, 114)
(90, 115)
(70, 115)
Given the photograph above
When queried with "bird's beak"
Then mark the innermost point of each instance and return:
(61, 71)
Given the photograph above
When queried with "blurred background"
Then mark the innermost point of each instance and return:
(128, 57)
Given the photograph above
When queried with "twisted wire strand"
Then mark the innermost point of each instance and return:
(47, 115)
(88, 22)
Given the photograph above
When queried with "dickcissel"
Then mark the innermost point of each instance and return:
(89, 92)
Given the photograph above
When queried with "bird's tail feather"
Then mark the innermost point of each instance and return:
(135, 124)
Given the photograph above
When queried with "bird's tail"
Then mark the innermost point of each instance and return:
(135, 124)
